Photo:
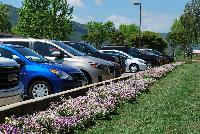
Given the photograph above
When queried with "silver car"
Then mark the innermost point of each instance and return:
(94, 69)
(132, 64)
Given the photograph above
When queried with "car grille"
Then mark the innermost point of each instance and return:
(9, 77)
(78, 76)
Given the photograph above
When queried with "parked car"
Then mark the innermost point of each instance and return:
(11, 89)
(92, 51)
(154, 60)
(40, 76)
(154, 52)
(94, 69)
(132, 64)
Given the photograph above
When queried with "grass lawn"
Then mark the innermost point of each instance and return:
(171, 106)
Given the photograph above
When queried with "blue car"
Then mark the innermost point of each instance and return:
(40, 76)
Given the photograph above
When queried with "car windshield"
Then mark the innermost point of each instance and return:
(151, 52)
(30, 55)
(133, 52)
(69, 49)
(91, 48)
(156, 52)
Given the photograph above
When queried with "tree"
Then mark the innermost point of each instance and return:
(191, 21)
(98, 32)
(45, 19)
(5, 25)
(117, 38)
(150, 40)
(177, 36)
(128, 31)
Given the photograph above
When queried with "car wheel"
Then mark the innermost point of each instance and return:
(133, 68)
(40, 89)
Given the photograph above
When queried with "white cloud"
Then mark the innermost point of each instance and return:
(76, 3)
(98, 2)
(157, 22)
(83, 20)
(118, 20)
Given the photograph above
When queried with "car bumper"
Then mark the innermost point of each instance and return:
(98, 75)
(63, 85)
(142, 67)
(12, 95)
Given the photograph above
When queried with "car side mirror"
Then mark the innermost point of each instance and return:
(20, 62)
(58, 54)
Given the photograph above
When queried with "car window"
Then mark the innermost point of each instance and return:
(42, 48)
(7, 54)
(30, 54)
(69, 49)
(134, 52)
(20, 43)
(76, 46)
(46, 49)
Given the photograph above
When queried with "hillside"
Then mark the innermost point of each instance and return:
(164, 35)
(79, 29)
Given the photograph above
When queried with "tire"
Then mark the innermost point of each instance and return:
(39, 89)
(134, 68)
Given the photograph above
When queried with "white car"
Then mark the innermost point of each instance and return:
(132, 64)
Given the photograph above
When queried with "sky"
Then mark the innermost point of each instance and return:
(157, 15)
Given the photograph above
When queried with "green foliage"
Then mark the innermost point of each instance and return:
(178, 35)
(186, 30)
(128, 31)
(117, 38)
(5, 25)
(150, 40)
(191, 21)
(45, 19)
(98, 32)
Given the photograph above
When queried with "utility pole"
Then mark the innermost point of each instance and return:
(140, 4)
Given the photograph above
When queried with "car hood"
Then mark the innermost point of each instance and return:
(62, 67)
(7, 62)
(93, 60)
(132, 58)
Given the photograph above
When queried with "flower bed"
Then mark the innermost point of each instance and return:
(78, 113)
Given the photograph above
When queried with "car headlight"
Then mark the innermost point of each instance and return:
(61, 74)
(94, 65)
(142, 61)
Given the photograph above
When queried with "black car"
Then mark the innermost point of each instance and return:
(92, 51)
(154, 52)
(154, 60)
